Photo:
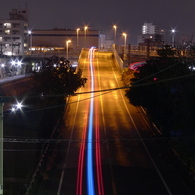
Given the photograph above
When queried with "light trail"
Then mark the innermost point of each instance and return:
(90, 131)
(90, 173)
(98, 156)
(81, 161)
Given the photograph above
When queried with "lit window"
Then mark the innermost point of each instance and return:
(7, 32)
(8, 25)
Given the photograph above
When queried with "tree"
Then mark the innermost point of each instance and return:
(165, 87)
(56, 80)
(166, 51)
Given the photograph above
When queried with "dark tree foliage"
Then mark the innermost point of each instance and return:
(166, 51)
(165, 87)
(56, 80)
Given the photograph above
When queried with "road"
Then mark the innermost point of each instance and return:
(108, 145)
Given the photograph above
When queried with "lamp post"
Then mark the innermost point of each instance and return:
(78, 29)
(125, 41)
(30, 34)
(67, 42)
(173, 37)
(115, 27)
(85, 29)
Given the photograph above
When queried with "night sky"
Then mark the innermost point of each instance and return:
(128, 15)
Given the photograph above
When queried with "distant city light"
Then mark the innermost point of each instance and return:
(173, 30)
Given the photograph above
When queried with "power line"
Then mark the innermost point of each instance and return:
(52, 141)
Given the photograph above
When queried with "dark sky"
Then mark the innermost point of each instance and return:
(128, 15)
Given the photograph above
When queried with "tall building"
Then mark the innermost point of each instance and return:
(150, 28)
(14, 32)
(152, 33)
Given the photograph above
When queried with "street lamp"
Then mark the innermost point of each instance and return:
(30, 34)
(115, 27)
(85, 28)
(173, 37)
(78, 29)
(67, 42)
(125, 41)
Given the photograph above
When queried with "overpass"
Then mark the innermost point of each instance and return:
(21, 65)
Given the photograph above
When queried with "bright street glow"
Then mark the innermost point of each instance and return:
(18, 105)
(124, 34)
(13, 62)
(90, 174)
(19, 63)
(13, 109)
(67, 42)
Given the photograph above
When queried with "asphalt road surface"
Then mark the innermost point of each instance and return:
(108, 146)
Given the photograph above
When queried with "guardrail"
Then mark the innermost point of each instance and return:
(118, 61)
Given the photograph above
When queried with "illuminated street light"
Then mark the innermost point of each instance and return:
(16, 107)
(173, 37)
(19, 105)
(67, 42)
(125, 41)
(19, 63)
(78, 29)
(13, 62)
(30, 34)
(115, 28)
(85, 28)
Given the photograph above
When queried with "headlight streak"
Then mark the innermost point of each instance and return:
(89, 131)
(81, 159)
(90, 173)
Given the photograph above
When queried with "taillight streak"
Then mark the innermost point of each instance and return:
(98, 156)
(87, 142)
(90, 173)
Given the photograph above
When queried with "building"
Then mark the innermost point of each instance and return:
(58, 41)
(14, 33)
(17, 40)
(151, 34)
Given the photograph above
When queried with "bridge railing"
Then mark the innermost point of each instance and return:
(138, 50)
(118, 61)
